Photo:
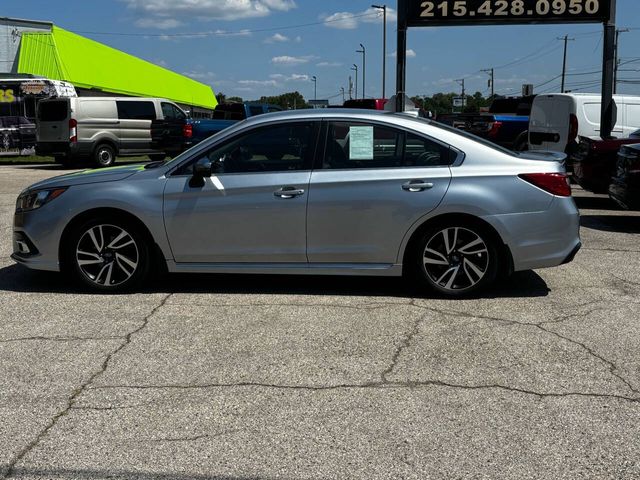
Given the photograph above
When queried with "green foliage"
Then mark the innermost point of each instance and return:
(443, 102)
(291, 100)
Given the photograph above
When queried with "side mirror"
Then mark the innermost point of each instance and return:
(201, 170)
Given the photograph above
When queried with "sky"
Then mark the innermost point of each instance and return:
(251, 48)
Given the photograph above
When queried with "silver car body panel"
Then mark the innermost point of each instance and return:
(353, 222)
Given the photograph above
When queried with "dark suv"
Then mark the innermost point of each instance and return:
(17, 133)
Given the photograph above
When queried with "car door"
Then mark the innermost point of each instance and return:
(374, 183)
(135, 117)
(253, 209)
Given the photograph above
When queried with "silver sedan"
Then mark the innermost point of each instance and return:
(325, 192)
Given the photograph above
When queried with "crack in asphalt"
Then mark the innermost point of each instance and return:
(613, 368)
(61, 339)
(368, 385)
(610, 250)
(190, 439)
(78, 391)
(376, 306)
(403, 345)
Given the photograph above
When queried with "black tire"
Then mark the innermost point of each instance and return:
(522, 143)
(157, 157)
(104, 156)
(471, 264)
(97, 260)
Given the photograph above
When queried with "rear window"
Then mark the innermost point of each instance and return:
(53, 111)
(517, 106)
(136, 110)
(369, 104)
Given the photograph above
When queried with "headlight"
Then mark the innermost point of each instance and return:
(37, 198)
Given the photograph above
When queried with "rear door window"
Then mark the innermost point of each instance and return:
(55, 111)
(136, 110)
(359, 145)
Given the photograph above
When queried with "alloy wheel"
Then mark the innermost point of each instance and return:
(456, 258)
(107, 255)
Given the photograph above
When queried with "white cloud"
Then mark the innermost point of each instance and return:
(288, 61)
(277, 38)
(257, 83)
(161, 23)
(224, 33)
(154, 10)
(328, 64)
(410, 53)
(294, 77)
(351, 20)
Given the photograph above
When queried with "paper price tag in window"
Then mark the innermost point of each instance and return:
(361, 143)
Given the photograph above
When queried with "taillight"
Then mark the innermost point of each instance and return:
(73, 130)
(573, 128)
(187, 130)
(554, 183)
(495, 128)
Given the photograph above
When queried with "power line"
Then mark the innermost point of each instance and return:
(227, 33)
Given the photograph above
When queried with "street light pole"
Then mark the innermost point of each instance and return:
(355, 67)
(384, 47)
(315, 87)
(363, 51)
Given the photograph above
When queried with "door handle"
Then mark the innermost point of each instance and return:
(288, 192)
(417, 186)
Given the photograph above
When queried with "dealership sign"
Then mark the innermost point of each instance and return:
(436, 13)
(505, 12)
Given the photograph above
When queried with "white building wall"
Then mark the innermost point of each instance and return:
(10, 31)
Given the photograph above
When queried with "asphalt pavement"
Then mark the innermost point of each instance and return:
(251, 377)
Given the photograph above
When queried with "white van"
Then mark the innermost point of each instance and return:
(558, 119)
(99, 129)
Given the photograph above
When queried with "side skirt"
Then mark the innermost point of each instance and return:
(353, 269)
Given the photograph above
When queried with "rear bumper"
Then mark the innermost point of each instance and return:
(64, 149)
(541, 239)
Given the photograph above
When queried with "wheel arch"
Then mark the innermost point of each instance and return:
(505, 258)
(157, 256)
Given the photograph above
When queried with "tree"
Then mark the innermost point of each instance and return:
(221, 97)
(287, 101)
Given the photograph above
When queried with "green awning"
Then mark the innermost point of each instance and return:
(62, 55)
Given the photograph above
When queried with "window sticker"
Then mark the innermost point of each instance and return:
(361, 143)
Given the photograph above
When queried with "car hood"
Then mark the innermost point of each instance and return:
(83, 177)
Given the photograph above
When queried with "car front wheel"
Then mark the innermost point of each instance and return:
(108, 255)
(457, 260)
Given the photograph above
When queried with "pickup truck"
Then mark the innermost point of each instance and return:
(506, 123)
(176, 137)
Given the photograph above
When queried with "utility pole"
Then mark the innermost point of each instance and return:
(616, 62)
(350, 88)
(315, 87)
(490, 72)
(342, 91)
(384, 48)
(363, 51)
(355, 67)
(461, 83)
(564, 60)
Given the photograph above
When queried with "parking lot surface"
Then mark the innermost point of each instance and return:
(247, 377)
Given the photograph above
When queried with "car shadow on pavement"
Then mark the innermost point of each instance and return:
(87, 474)
(596, 203)
(16, 278)
(612, 223)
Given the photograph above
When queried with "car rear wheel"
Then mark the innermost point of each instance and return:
(104, 156)
(456, 260)
(107, 255)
